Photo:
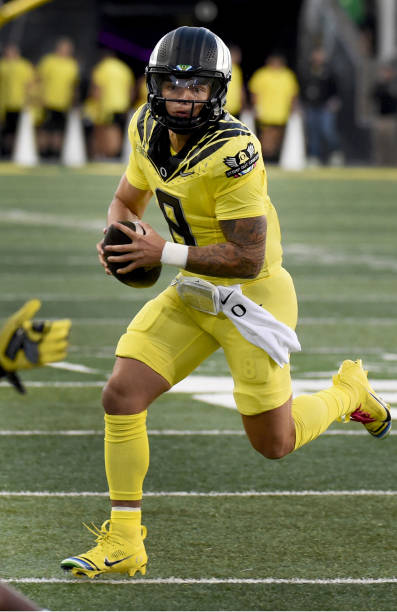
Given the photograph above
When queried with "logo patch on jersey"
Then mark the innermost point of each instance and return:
(141, 150)
(243, 162)
(184, 67)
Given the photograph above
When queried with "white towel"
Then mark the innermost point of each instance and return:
(258, 325)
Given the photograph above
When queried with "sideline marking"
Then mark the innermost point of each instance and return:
(173, 580)
(352, 493)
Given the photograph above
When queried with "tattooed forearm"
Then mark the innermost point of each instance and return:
(241, 256)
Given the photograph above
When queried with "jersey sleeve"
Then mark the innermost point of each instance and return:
(239, 180)
(134, 172)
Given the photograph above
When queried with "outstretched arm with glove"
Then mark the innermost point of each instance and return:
(26, 344)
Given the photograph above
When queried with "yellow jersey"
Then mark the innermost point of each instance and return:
(234, 98)
(274, 88)
(59, 76)
(15, 77)
(141, 93)
(115, 81)
(219, 175)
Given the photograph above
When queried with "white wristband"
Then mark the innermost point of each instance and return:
(174, 254)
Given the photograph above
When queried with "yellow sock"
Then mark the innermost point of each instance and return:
(314, 413)
(126, 454)
(126, 522)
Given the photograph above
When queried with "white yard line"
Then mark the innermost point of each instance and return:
(19, 216)
(166, 432)
(362, 321)
(57, 297)
(219, 389)
(61, 432)
(174, 580)
(304, 253)
(347, 320)
(307, 493)
(57, 384)
(133, 297)
(72, 367)
(214, 384)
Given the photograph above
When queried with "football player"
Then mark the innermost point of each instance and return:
(26, 344)
(205, 170)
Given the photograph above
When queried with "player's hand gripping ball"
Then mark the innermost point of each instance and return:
(140, 277)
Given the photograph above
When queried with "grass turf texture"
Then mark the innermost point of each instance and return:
(339, 229)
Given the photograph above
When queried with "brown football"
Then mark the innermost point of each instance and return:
(140, 277)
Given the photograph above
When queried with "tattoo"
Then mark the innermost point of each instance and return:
(242, 254)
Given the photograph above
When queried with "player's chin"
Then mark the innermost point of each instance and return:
(181, 115)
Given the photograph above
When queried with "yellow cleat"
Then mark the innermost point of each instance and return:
(112, 554)
(371, 410)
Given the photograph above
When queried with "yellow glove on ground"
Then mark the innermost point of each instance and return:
(26, 344)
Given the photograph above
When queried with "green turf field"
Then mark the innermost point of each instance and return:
(227, 529)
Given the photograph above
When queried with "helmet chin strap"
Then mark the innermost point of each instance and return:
(176, 124)
(210, 113)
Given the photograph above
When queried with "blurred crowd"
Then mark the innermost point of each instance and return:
(53, 87)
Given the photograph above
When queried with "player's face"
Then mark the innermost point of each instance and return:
(185, 97)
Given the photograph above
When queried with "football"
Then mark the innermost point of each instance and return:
(140, 277)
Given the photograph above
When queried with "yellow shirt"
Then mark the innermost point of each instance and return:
(15, 76)
(220, 177)
(59, 76)
(275, 89)
(234, 94)
(141, 97)
(115, 81)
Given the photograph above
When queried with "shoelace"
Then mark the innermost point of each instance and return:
(102, 534)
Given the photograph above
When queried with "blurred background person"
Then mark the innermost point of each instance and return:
(274, 90)
(17, 77)
(111, 95)
(384, 97)
(140, 96)
(58, 78)
(320, 102)
(236, 95)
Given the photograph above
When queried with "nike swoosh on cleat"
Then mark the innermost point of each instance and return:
(111, 563)
(378, 399)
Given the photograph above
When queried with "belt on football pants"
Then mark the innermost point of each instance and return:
(255, 323)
